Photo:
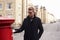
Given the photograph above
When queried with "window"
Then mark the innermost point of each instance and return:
(0, 6)
(9, 15)
(9, 6)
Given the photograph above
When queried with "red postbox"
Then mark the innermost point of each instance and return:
(5, 28)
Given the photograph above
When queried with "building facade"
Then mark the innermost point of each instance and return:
(17, 9)
(50, 18)
(7, 8)
(14, 9)
(45, 16)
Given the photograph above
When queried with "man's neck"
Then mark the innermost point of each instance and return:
(31, 16)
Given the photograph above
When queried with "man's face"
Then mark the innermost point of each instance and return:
(31, 11)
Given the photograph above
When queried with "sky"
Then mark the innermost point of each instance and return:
(52, 6)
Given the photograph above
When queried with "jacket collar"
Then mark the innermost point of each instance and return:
(30, 18)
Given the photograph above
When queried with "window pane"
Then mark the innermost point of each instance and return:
(9, 5)
(0, 6)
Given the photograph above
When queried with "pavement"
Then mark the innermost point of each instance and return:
(51, 32)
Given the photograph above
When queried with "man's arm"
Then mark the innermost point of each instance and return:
(40, 28)
(22, 28)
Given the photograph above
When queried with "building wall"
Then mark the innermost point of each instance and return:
(50, 18)
(21, 11)
(17, 11)
(6, 11)
(43, 14)
(1, 9)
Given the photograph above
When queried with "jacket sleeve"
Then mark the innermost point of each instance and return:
(40, 28)
(22, 28)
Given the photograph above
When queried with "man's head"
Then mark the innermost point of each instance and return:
(31, 12)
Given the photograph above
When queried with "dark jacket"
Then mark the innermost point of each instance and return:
(31, 27)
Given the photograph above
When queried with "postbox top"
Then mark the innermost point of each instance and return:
(6, 18)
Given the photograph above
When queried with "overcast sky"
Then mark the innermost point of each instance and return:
(52, 6)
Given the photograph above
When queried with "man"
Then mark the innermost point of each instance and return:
(30, 25)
